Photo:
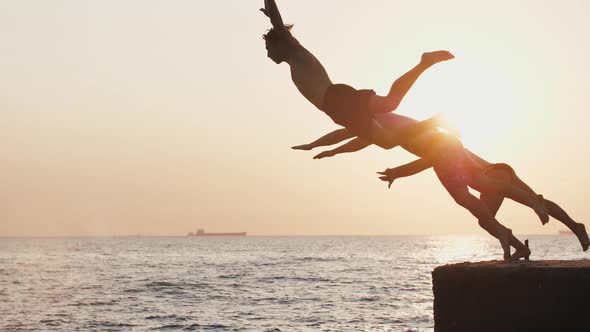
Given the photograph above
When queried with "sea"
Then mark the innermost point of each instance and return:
(267, 284)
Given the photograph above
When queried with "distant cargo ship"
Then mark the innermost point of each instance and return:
(201, 232)
(565, 232)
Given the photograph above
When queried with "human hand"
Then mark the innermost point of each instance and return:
(272, 11)
(389, 175)
(305, 147)
(324, 154)
(265, 9)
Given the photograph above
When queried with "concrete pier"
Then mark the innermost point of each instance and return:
(521, 297)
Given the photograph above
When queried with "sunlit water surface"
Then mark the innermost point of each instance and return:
(235, 284)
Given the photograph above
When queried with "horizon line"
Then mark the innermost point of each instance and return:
(253, 235)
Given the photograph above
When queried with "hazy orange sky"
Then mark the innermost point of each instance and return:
(160, 117)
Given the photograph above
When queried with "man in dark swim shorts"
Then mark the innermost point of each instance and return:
(347, 106)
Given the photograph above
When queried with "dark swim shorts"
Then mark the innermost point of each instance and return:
(349, 108)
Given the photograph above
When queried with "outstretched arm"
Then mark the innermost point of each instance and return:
(386, 139)
(402, 85)
(272, 11)
(332, 138)
(409, 169)
(352, 146)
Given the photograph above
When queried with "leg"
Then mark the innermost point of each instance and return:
(493, 201)
(403, 84)
(487, 221)
(483, 183)
(553, 209)
(577, 228)
(558, 213)
(334, 137)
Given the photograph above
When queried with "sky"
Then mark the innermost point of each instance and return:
(161, 117)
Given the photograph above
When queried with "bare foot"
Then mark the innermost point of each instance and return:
(580, 232)
(430, 58)
(305, 147)
(504, 237)
(540, 209)
(523, 252)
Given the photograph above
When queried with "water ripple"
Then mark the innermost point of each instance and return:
(247, 284)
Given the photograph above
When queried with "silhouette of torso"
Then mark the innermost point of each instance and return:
(309, 76)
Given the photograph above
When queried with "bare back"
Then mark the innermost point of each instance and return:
(426, 143)
(309, 76)
(419, 145)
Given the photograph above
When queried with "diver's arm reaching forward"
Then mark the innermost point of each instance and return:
(331, 138)
(389, 175)
(351, 146)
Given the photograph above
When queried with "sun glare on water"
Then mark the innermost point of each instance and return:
(460, 248)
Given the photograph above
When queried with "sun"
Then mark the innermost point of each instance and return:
(476, 100)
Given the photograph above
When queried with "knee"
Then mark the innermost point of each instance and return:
(483, 223)
(462, 200)
(470, 203)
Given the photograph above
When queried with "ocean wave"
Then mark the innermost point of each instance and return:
(194, 326)
(103, 325)
(311, 279)
(231, 276)
(161, 284)
(169, 327)
(94, 303)
(133, 290)
(54, 322)
(320, 259)
(253, 286)
(176, 317)
(369, 299)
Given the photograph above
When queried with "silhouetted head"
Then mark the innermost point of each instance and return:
(279, 43)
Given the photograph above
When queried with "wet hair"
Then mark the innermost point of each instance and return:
(274, 35)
